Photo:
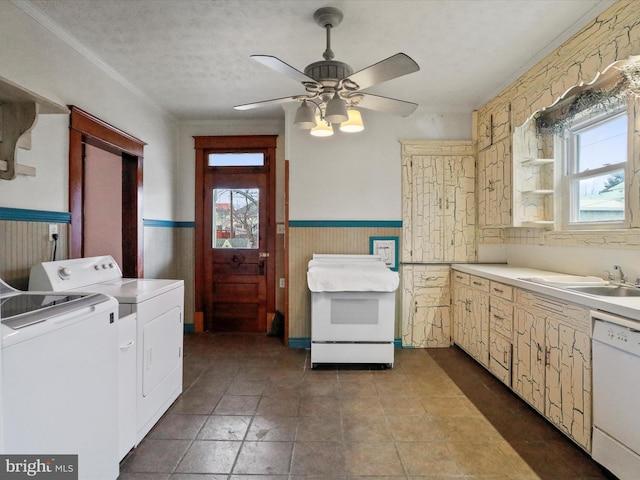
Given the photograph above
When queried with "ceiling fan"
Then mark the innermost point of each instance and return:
(332, 88)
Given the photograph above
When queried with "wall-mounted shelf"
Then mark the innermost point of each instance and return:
(19, 110)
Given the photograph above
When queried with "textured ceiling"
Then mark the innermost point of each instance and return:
(192, 56)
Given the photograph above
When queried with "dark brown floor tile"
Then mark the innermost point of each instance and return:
(272, 428)
(264, 458)
(237, 405)
(319, 458)
(372, 429)
(320, 429)
(155, 456)
(178, 426)
(368, 458)
(279, 405)
(225, 427)
(427, 458)
(209, 456)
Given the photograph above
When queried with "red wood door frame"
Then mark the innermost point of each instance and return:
(230, 144)
(84, 129)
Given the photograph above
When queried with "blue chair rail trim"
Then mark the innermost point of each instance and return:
(167, 224)
(24, 215)
(305, 342)
(346, 223)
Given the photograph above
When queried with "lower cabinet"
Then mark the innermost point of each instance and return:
(426, 305)
(500, 331)
(471, 315)
(552, 362)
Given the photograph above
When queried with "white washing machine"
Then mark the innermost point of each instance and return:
(60, 379)
(151, 330)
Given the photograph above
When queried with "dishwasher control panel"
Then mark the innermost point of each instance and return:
(623, 337)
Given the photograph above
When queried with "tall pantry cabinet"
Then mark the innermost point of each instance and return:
(438, 227)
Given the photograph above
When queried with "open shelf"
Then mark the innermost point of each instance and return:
(538, 192)
(536, 161)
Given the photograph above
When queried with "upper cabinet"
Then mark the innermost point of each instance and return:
(19, 110)
(494, 185)
(438, 202)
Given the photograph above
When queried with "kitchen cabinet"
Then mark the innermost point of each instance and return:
(426, 306)
(438, 205)
(552, 362)
(500, 331)
(471, 315)
(494, 185)
(493, 125)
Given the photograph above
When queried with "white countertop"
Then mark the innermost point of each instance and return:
(625, 306)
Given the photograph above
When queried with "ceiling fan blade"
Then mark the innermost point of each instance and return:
(279, 66)
(387, 69)
(265, 103)
(386, 104)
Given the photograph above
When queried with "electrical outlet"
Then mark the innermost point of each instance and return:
(53, 230)
(282, 283)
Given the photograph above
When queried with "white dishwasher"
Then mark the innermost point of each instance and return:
(616, 390)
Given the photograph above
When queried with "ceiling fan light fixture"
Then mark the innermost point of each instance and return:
(305, 116)
(322, 129)
(336, 110)
(354, 123)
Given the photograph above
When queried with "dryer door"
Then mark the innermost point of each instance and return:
(162, 339)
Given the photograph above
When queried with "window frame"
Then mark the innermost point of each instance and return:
(568, 175)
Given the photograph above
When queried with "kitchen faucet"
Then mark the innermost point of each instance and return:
(623, 278)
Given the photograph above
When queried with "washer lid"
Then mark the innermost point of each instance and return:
(25, 309)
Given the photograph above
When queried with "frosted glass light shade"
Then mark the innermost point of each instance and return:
(322, 129)
(305, 116)
(354, 123)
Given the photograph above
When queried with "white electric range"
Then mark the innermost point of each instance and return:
(150, 334)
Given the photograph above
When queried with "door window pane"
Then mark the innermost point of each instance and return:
(236, 159)
(235, 218)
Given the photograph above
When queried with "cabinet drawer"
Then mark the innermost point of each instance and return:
(461, 278)
(500, 358)
(576, 316)
(501, 290)
(479, 283)
(501, 317)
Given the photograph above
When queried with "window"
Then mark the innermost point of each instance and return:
(236, 217)
(595, 162)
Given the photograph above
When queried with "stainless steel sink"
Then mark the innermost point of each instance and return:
(608, 290)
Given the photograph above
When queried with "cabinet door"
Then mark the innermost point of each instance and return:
(459, 210)
(479, 325)
(426, 306)
(494, 184)
(427, 204)
(568, 379)
(500, 358)
(529, 355)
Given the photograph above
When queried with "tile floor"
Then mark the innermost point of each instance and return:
(253, 410)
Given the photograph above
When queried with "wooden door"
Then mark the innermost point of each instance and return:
(234, 264)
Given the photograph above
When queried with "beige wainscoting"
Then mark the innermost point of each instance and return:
(303, 243)
(26, 243)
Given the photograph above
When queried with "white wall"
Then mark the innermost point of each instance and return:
(38, 60)
(357, 176)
